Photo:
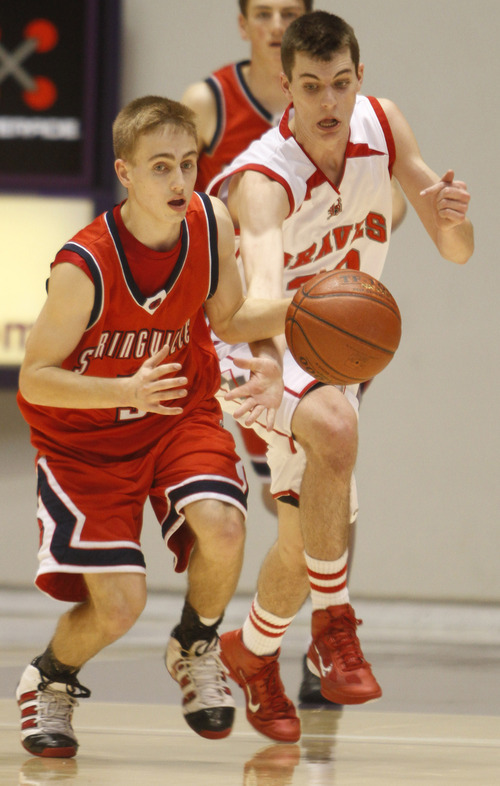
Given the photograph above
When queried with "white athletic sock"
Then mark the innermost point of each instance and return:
(262, 631)
(328, 581)
(208, 621)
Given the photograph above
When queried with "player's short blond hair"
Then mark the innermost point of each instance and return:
(146, 114)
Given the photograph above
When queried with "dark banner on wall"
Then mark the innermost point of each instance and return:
(54, 72)
(59, 87)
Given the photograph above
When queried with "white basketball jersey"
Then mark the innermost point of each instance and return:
(328, 227)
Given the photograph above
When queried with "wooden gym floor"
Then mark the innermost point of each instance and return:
(438, 721)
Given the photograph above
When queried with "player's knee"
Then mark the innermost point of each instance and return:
(219, 529)
(230, 534)
(329, 431)
(118, 610)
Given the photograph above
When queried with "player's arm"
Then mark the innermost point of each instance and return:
(399, 207)
(440, 202)
(233, 317)
(236, 318)
(200, 98)
(55, 334)
(259, 206)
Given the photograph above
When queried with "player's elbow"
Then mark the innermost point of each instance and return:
(461, 256)
(225, 330)
(27, 385)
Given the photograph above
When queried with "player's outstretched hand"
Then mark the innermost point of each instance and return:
(450, 200)
(151, 389)
(263, 391)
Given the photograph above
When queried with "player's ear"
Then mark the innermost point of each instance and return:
(121, 170)
(285, 85)
(242, 24)
(361, 73)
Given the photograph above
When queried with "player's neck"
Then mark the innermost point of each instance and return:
(158, 236)
(265, 86)
(329, 157)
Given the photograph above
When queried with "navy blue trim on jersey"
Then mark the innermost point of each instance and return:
(65, 521)
(95, 272)
(159, 296)
(217, 91)
(207, 487)
(289, 500)
(261, 468)
(214, 87)
(256, 104)
(213, 243)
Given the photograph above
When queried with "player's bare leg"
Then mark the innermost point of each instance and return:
(325, 424)
(115, 602)
(283, 584)
(215, 563)
(251, 653)
(193, 652)
(49, 689)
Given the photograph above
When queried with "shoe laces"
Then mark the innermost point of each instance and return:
(268, 685)
(74, 689)
(55, 710)
(203, 665)
(341, 636)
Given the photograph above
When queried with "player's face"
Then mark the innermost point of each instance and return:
(264, 25)
(324, 95)
(161, 175)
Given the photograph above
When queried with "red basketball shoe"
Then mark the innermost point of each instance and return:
(269, 710)
(335, 656)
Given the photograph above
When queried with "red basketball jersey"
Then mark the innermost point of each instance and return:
(240, 120)
(127, 326)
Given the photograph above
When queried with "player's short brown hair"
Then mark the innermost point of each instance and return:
(143, 115)
(308, 5)
(319, 35)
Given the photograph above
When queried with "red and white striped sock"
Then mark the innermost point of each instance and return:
(328, 581)
(262, 631)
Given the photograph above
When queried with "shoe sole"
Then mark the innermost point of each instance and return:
(51, 753)
(214, 735)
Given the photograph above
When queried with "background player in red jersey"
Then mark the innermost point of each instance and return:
(235, 105)
(118, 386)
(313, 194)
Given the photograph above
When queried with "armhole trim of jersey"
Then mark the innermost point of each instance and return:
(220, 123)
(213, 243)
(386, 128)
(96, 274)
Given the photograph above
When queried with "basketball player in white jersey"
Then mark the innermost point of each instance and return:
(234, 106)
(315, 194)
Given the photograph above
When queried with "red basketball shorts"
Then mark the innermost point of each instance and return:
(90, 517)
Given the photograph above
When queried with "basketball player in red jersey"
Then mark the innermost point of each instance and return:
(235, 105)
(313, 194)
(118, 386)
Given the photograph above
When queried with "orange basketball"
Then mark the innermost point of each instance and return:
(343, 327)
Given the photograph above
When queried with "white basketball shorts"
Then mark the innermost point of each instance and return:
(285, 456)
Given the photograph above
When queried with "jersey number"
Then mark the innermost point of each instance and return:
(129, 413)
(351, 261)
